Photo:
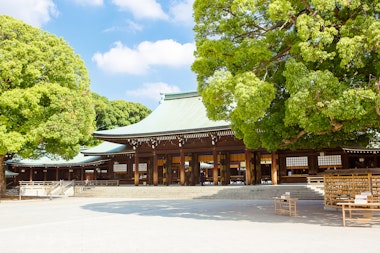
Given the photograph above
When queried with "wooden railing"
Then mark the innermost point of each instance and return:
(96, 183)
(37, 188)
(315, 180)
(53, 188)
(37, 183)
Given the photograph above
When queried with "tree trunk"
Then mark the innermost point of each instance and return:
(2, 176)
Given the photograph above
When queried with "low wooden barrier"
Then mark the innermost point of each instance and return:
(97, 183)
(360, 212)
(315, 180)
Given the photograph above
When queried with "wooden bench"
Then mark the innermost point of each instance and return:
(285, 206)
(266, 179)
(360, 212)
(237, 178)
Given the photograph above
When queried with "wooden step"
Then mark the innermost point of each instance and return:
(301, 192)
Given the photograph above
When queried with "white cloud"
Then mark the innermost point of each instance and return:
(89, 2)
(130, 27)
(153, 90)
(182, 12)
(133, 26)
(33, 12)
(137, 61)
(142, 9)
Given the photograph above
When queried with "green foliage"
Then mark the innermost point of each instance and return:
(117, 113)
(288, 73)
(45, 99)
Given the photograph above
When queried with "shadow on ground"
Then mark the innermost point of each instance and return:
(308, 212)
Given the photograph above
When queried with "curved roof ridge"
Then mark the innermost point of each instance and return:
(178, 95)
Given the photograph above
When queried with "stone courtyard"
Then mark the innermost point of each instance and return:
(111, 225)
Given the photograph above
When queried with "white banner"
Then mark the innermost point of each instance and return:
(120, 168)
(143, 167)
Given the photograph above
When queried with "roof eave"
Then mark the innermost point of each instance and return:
(55, 165)
(109, 153)
(159, 134)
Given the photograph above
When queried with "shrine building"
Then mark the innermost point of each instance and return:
(177, 142)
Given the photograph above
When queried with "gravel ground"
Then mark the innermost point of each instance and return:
(151, 225)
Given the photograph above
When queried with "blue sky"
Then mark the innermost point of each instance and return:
(133, 49)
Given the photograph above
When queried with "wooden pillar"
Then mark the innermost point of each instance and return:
(130, 173)
(31, 174)
(257, 167)
(169, 169)
(274, 168)
(164, 171)
(312, 163)
(191, 171)
(155, 169)
(182, 168)
(56, 174)
(215, 169)
(136, 175)
(345, 161)
(228, 167)
(81, 174)
(376, 162)
(224, 167)
(149, 180)
(248, 171)
(196, 168)
(282, 166)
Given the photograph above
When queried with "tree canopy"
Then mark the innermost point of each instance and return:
(291, 73)
(45, 100)
(117, 113)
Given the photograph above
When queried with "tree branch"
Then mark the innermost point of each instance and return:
(294, 140)
(274, 59)
(307, 5)
(377, 88)
(335, 128)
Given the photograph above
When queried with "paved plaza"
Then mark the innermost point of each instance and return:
(111, 225)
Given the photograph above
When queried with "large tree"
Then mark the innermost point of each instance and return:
(291, 73)
(45, 99)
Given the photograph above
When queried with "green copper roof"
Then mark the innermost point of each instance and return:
(107, 148)
(178, 113)
(87, 157)
(78, 160)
